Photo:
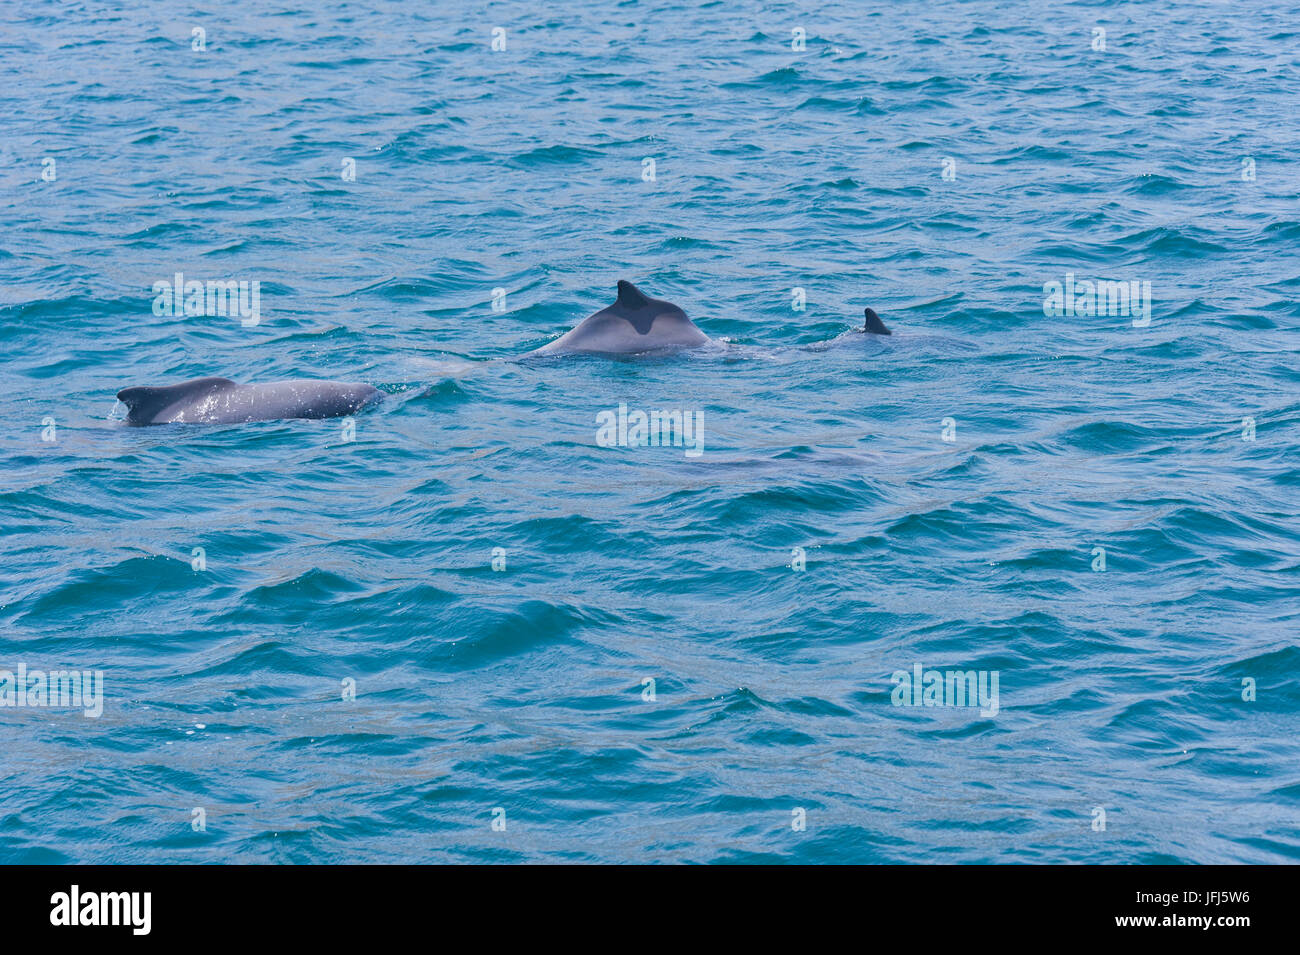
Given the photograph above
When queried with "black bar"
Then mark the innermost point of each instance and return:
(947, 904)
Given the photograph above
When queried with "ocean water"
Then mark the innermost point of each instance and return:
(678, 658)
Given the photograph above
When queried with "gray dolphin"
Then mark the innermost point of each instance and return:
(873, 325)
(221, 401)
(634, 323)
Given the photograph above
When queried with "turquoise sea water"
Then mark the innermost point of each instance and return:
(518, 696)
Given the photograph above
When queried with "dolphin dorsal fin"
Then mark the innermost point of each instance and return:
(873, 324)
(629, 296)
(143, 402)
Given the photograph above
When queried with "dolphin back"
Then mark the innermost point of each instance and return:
(221, 401)
(145, 404)
(634, 323)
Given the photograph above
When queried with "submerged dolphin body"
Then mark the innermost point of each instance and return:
(221, 401)
(634, 323)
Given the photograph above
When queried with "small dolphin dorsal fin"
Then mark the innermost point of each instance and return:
(143, 402)
(629, 296)
(210, 382)
(873, 323)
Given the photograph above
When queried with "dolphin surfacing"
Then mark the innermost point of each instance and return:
(634, 323)
(221, 401)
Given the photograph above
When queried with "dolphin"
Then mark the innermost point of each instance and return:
(221, 401)
(634, 323)
(873, 325)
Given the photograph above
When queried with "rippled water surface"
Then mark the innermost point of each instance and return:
(519, 695)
